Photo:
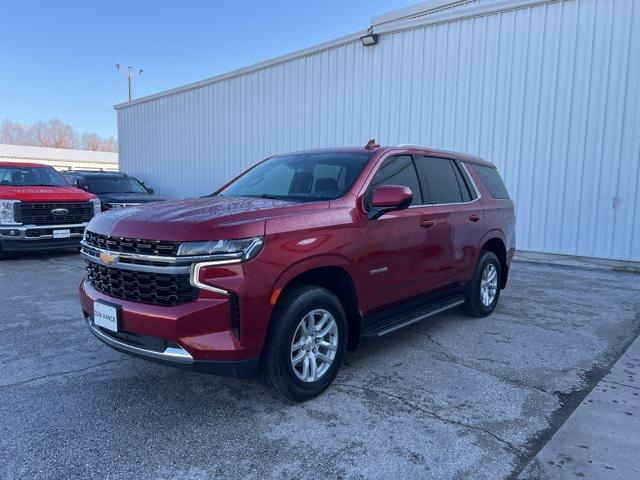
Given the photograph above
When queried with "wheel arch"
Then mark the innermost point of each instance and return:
(335, 277)
(495, 243)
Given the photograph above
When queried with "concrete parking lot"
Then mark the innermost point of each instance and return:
(452, 397)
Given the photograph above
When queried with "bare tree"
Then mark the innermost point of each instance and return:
(53, 133)
(109, 144)
(14, 133)
(90, 141)
(40, 134)
(63, 135)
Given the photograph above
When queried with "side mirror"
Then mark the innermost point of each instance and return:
(389, 198)
(147, 188)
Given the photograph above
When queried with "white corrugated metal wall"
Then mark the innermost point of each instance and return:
(549, 91)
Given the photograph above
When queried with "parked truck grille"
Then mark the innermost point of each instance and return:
(154, 288)
(42, 213)
(132, 245)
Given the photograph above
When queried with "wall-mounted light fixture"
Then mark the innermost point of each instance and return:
(370, 38)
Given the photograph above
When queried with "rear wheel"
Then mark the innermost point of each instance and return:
(306, 343)
(483, 291)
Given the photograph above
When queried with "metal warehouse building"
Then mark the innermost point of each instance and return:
(547, 90)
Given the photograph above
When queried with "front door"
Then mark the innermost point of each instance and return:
(395, 242)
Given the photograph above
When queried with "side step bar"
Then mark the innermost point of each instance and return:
(395, 322)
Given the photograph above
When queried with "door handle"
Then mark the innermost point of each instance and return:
(427, 223)
(474, 218)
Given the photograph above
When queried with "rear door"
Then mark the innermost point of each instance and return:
(453, 216)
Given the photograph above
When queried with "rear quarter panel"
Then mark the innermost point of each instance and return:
(499, 215)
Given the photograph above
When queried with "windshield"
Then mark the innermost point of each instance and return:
(115, 185)
(31, 176)
(304, 178)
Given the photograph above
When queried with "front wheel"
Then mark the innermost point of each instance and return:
(306, 343)
(483, 291)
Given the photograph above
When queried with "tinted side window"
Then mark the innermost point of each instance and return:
(473, 194)
(398, 171)
(442, 179)
(462, 184)
(491, 179)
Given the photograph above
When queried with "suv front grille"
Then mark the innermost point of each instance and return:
(155, 288)
(41, 213)
(132, 245)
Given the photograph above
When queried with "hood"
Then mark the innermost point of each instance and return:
(213, 218)
(129, 198)
(44, 194)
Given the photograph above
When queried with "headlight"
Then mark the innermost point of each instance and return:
(113, 206)
(246, 248)
(7, 212)
(97, 208)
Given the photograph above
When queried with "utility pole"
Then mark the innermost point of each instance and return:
(129, 77)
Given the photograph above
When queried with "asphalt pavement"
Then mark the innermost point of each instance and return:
(451, 397)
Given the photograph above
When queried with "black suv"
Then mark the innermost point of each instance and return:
(114, 189)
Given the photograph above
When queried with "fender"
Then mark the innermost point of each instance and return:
(495, 233)
(316, 261)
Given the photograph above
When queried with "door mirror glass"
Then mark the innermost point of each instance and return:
(389, 198)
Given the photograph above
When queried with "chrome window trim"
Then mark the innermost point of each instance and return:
(422, 205)
(195, 274)
(172, 354)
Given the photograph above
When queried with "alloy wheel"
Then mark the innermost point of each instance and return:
(314, 345)
(488, 284)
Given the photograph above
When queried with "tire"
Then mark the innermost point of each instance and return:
(298, 307)
(3, 254)
(476, 303)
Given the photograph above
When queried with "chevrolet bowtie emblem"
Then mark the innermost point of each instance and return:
(108, 259)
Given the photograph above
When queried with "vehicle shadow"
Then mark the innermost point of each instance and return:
(44, 255)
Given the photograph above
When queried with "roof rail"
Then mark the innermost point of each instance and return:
(409, 145)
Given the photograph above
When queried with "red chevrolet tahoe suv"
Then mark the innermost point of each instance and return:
(39, 210)
(298, 259)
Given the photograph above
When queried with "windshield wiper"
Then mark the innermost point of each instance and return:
(270, 197)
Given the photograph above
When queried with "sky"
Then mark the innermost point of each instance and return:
(57, 57)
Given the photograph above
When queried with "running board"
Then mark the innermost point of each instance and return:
(389, 324)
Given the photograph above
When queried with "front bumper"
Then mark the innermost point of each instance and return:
(39, 237)
(194, 335)
(176, 356)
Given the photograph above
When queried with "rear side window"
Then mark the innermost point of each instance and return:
(398, 171)
(491, 179)
(443, 180)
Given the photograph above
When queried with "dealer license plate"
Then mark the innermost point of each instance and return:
(105, 316)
